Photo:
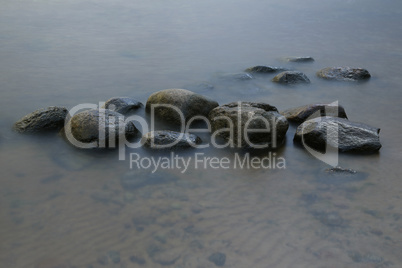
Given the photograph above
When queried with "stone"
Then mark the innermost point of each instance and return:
(217, 258)
(85, 126)
(264, 69)
(352, 136)
(190, 104)
(344, 74)
(166, 139)
(235, 76)
(300, 114)
(300, 59)
(46, 119)
(122, 105)
(291, 77)
(232, 120)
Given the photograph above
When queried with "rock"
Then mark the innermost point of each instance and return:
(227, 120)
(339, 170)
(189, 103)
(299, 59)
(352, 136)
(264, 69)
(122, 105)
(218, 258)
(85, 128)
(300, 114)
(339, 176)
(235, 76)
(344, 73)
(47, 119)
(166, 139)
(291, 77)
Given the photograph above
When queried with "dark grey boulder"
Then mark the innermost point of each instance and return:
(300, 59)
(344, 74)
(218, 258)
(236, 115)
(302, 113)
(352, 136)
(166, 139)
(189, 103)
(264, 69)
(122, 105)
(85, 127)
(291, 77)
(47, 119)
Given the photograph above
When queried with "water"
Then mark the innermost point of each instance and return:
(62, 206)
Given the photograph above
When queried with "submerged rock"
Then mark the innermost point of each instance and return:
(264, 69)
(122, 105)
(227, 120)
(218, 258)
(235, 76)
(352, 136)
(302, 113)
(299, 59)
(190, 104)
(344, 73)
(87, 127)
(166, 139)
(51, 118)
(291, 77)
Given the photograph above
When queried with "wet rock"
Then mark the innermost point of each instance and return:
(352, 136)
(85, 127)
(122, 105)
(133, 180)
(340, 170)
(165, 139)
(188, 103)
(227, 120)
(47, 119)
(137, 260)
(340, 176)
(299, 59)
(217, 258)
(344, 73)
(264, 69)
(302, 113)
(291, 77)
(235, 76)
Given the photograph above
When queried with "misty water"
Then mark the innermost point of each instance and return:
(66, 207)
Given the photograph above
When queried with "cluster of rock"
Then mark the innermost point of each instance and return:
(236, 124)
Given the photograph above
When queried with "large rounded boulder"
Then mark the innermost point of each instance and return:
(249, 125)
(347, 136)
(344, 74)
(176, 105)
(98, 128)
(46, 119)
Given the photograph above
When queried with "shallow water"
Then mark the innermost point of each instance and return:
(64, 206)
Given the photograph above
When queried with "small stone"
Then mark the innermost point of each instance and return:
(47, 119)
(264, 69)
(218, 258)
(310, 111)
(122, 105)
(291, 77)
(344, 74)
(300, 59)
(166, 139)
(235, 76)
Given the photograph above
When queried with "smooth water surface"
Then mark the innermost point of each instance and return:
(65, 207)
